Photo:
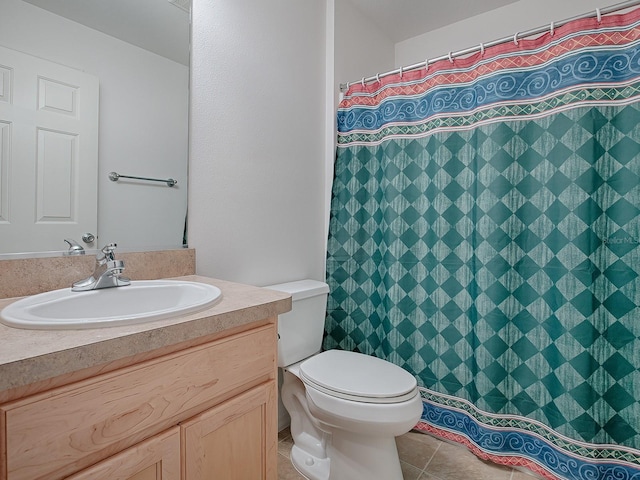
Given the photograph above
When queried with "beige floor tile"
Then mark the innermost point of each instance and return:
(285, 442)
(409, 472)
(286, 471)
(443, 461)
(426, 476)
(453, 462)
(416, 448)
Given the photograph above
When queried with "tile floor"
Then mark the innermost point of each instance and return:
(422, 458)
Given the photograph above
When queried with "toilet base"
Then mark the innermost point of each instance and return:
(352, 457)
(362, 457)
(313, 468)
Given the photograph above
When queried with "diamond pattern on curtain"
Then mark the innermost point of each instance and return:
(484, 232)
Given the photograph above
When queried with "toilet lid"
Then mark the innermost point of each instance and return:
(358, 377)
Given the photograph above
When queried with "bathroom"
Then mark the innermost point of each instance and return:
(260, 166)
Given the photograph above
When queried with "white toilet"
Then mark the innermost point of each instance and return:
(346, 408)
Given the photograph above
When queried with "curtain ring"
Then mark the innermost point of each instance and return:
(482, 49)
(363, 81)
(348, 85)
(599, 15)
(515, 38)
(552, 29)
(450, 57)
(426, 65)
(401, 72)
(378, 77)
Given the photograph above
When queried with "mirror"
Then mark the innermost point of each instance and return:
(138, 53)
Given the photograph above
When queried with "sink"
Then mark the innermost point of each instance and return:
(140, 302)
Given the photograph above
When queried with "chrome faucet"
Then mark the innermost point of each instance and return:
(74, 247)
(107, 273)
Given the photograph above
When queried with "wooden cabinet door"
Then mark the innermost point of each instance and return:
(54, 434)
(157, 458)
(236, 440)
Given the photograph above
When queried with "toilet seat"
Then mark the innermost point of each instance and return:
(357, 377)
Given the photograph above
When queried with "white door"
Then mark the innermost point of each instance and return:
(48, 153)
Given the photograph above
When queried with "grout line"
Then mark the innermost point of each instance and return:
(424, 470)
(434, 454)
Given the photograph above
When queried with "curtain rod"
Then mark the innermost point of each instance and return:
(479, 48)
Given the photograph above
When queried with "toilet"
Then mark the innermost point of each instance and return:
(346, 408)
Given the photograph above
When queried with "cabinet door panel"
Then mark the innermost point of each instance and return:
(55, 434)
(157, 458)
(236, 440)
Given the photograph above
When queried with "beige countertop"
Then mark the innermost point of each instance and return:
(30, 356)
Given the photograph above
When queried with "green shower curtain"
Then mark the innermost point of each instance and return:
(483, 236)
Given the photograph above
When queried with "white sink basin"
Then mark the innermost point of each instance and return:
(142, 301)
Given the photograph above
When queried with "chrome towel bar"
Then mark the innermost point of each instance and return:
(114, 177)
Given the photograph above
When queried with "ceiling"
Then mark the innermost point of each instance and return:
(163, 28)
(403, 19)
(155, 25)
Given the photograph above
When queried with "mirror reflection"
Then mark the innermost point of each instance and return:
(87, 88)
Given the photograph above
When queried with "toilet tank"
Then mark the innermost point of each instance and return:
(300, 331)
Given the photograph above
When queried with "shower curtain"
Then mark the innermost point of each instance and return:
(484, 236)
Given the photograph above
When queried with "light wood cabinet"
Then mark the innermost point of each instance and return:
(157, 458)
(206, 412)
(231, 441)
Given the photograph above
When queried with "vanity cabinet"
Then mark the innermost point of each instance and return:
(157, 458)
(229, 441)
(205, 412)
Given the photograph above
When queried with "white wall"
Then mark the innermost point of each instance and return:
(257, 143)
(492, 25)
(144, 105)
(362, 49)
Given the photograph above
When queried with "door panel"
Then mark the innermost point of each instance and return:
(48, 153)
(236, 440)
(157, 458)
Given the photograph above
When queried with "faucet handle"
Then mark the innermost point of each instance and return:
(108, 251)
(74, 247)
(109, 247)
